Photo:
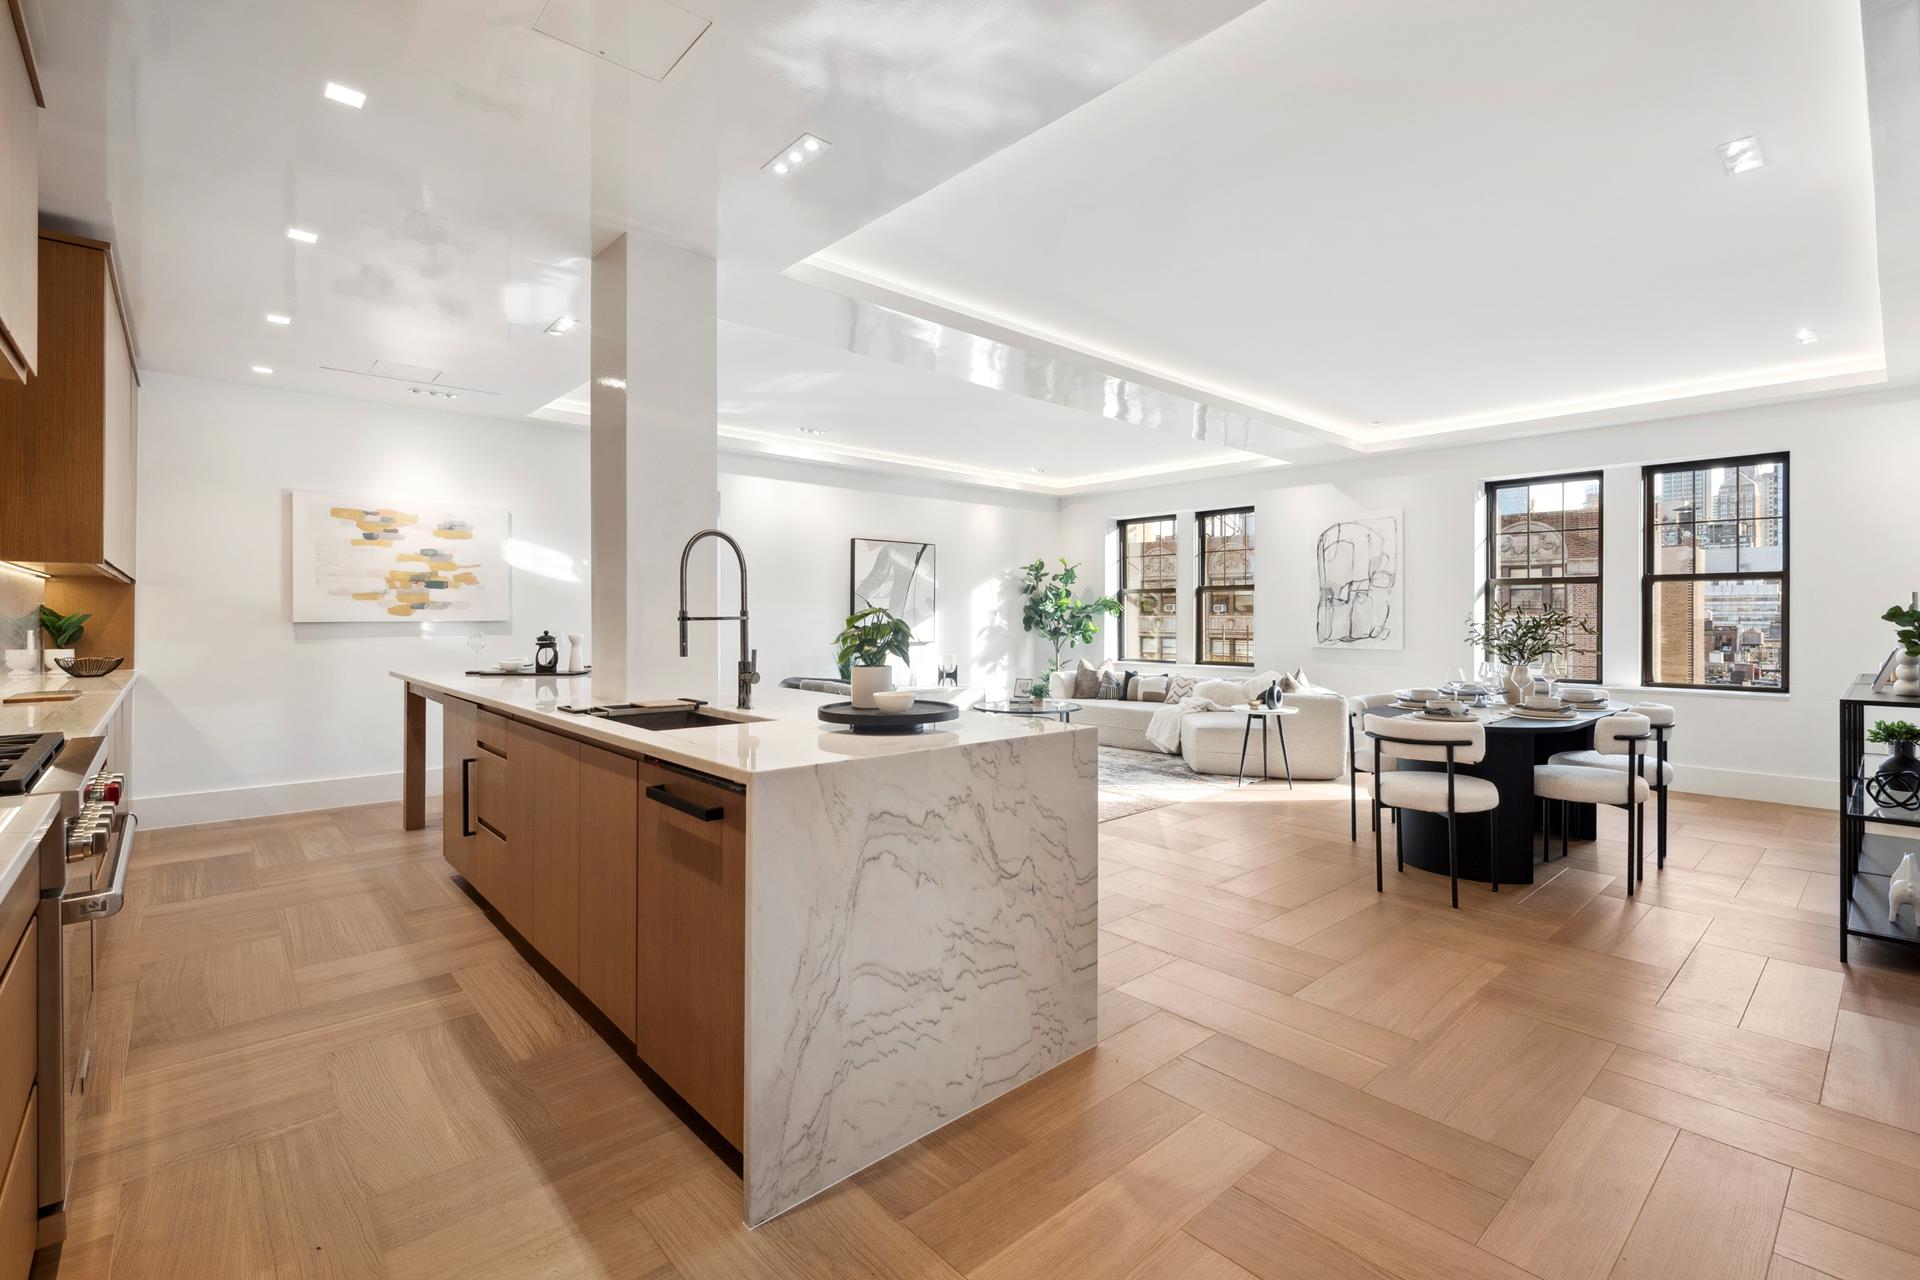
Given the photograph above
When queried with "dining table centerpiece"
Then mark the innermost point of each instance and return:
(1519, 638)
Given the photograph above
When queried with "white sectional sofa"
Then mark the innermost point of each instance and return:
(1210, 740)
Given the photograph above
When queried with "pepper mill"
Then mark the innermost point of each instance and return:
(546, 654)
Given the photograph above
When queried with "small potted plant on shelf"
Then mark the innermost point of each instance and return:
(1906, 666)
(869, 638)
(1901, 740)
(1518, 638)
(64, 630)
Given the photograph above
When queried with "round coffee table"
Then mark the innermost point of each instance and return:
(1260, 716)
(1061, 711)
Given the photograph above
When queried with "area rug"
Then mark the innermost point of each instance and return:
(1136, 781)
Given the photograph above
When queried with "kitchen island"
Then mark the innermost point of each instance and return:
(828, 944)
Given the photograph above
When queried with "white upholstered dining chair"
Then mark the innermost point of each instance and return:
(1360, 754)
(1396, 738)
(1622, 736)
(1655, 767)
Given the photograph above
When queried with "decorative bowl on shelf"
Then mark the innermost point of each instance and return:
(88, 666)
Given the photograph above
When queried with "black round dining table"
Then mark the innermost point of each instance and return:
(1515, 744)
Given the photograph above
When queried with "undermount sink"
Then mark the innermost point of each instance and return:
(673, 718)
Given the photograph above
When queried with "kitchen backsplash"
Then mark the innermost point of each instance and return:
(20, 596)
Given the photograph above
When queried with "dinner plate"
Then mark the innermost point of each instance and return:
(1532, 713)
(1442, 717)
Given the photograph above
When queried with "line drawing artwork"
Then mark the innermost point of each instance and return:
(1357, 567)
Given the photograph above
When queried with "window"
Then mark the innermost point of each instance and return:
(1150, 614)
(1714, 593)
(1543, 552)
(1226, 587)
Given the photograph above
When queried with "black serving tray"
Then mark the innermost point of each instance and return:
(865, 720)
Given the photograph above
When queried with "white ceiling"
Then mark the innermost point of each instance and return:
(1393, 219)
(785, 397)
(1302, 229)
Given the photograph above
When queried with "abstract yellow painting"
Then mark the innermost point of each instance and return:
(355, 559)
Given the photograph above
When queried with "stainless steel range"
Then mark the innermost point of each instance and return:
(83, 877)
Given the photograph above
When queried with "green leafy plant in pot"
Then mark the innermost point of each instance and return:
(64, 630)
(862, 648)
(1519, 638)
(1906, 666)
(1896, 782)
(1056, 614)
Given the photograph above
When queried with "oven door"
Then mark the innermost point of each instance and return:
(95, 890)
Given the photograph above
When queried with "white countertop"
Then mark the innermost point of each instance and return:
(81, 718)
(785, 732)
(23, 820)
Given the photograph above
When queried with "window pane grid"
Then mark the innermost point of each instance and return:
(1149, 596)
(1715, 589)
(1225, 596)
(1544, 552)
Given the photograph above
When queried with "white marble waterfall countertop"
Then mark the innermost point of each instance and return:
(82, 717)
(782, 731)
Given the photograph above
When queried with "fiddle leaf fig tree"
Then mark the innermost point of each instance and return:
(1055, 613)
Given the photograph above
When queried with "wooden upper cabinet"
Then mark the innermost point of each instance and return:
(20, 104)
(67, 494)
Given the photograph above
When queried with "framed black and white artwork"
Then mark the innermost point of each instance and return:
(1358, 574)
(897, 577)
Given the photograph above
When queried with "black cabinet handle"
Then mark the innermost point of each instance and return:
(704, 812)
(466, 797)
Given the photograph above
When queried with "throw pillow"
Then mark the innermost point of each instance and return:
(1147, 689)
(1086, 680)
(1228, 693)
(1296, 681)
(1112, 685)
(1179, 687)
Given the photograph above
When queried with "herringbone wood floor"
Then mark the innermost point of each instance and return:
(329, 1063)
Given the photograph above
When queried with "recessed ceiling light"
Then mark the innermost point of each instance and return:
(345, 96)
(802, 151)
(1741, 155)
(1039, 471)
(261, 368)
(278, 319)
(563, 326)
(810, 431)
(1805, 337)
(304, 237)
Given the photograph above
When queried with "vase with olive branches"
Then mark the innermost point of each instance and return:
(1519, 638)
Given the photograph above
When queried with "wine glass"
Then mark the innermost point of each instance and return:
(475, 643)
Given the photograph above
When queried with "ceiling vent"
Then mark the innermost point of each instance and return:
(646, 37)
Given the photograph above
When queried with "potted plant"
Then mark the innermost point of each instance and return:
(1901, 740)
(870, 637)
(1906, 667)
(1055, 613)
(64, 629)
(1519, 638)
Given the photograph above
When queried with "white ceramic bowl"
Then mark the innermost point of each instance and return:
(510, 664)
(1447, 706)
(1422, 695)
(1545, 702)
(894, 701)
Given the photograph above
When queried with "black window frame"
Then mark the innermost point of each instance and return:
(1173, 522)
(1201, 586)
(1492, 579)
(1650, 576)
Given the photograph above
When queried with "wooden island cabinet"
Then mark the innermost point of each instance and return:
(827, 945)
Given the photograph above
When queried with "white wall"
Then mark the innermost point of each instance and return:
(1853, 480)
(242, 711)
(796, 522)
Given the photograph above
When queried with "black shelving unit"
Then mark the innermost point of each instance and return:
(1868, 859)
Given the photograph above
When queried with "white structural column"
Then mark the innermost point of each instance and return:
(655, 468)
